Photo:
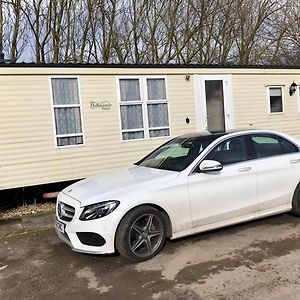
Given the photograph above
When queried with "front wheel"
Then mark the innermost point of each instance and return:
(141, 234)
(296, 202)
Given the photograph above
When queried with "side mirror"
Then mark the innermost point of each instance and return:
(210, 166)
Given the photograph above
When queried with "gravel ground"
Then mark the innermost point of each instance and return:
(26, 210)
(258, 261)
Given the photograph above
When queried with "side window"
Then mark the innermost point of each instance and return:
(131, 109)
(157, 107)
(231, 151)
(276, 100)
(266, 145)
(144, 108)
(289, 147)
(67, 111)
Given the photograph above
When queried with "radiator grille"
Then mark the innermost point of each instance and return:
(65, 212)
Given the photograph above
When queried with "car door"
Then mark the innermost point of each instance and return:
(278, 170)
(226, 194)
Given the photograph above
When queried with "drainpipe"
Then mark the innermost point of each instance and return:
(52, 195)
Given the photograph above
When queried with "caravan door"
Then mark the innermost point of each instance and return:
(214, 105)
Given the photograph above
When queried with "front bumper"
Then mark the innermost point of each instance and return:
(105, 227)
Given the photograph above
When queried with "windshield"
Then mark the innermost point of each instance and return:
(177, 154)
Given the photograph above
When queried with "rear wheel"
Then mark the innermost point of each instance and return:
(296, 202)
(141, 234)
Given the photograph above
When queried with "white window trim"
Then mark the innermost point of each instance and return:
(158, 101)
(200, 100)
(120, 103)
(269, 102)
(298, 98)
(55, 135)
(144, 102)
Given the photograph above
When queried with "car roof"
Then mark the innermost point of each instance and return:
(215, 135)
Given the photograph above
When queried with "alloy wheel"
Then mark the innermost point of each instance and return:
(146, 235)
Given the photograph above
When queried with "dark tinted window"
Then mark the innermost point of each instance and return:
(275, 99)
(266, 145)
(230, 151)
(289, 147)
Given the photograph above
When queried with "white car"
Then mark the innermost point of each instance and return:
(191, 184)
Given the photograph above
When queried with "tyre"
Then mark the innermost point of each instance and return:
(296, 202)
(141, 234)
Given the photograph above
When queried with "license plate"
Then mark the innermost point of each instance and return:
(60, 226)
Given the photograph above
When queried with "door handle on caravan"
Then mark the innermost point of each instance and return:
(246, 169)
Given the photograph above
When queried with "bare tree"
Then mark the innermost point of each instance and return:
(251, 18)
(149, 31)
(38, 16)
(290, 30)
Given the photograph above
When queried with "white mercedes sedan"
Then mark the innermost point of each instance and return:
(191, 184)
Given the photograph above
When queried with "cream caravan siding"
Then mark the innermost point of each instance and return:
(29, 155)
(28, 150)
(251, 103)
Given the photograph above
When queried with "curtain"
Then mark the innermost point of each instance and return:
(65, 91)
(130, 90)
(76, 140)
(275, 92)
(131, 116)
(275, 100)
(133, 135)
(159, 132)
(156, 89)
(67, 120)
(158, 115)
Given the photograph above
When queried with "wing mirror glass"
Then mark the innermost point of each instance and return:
(210, 166)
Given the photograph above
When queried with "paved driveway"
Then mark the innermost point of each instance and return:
(257, 260)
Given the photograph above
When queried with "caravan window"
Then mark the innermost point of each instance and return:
(67, 111)
(276, 99)
(131, 109)
(143, 107)
(157, 107)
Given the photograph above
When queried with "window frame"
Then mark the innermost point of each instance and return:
(298, 98)
(248, 150)
(279, 138)
(269, 100)
(53, 106)
(249, 146)
(224, 138)
(144, 102)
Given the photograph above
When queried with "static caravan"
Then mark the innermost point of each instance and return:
(66, 122)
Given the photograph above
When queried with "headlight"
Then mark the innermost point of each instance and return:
(98, 210)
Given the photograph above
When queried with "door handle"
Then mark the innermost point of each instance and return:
(295, 161)
(206, 122)
(246, 169)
